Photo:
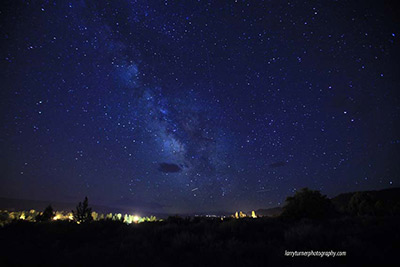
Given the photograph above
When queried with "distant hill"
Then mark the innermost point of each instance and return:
(271, 212)
(204, 214)
(11, 204)
(389, 196)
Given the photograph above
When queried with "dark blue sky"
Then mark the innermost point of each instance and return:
(197, 105)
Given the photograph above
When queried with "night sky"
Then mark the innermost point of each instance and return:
(197, 105)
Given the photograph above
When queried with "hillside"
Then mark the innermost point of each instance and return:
(271, 212)
(11, 204)
(389, 196)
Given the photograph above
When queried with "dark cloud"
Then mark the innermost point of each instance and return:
(277, 164)
(169, 167)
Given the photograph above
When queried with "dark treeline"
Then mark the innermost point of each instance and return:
(367, 231)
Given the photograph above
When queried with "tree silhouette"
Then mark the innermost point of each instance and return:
(362, 203)
(307, 203)
(83, 213)
(46, 216)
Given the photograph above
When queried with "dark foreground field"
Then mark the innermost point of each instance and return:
(201, 242)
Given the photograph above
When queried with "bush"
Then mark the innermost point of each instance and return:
(362, 203)
(309, 204)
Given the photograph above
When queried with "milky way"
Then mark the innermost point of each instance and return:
(196, 106)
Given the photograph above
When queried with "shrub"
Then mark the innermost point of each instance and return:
(362, 203)
(307, 203)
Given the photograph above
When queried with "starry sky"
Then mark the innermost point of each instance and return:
(183, 106)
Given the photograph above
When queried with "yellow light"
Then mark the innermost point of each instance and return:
(57, 217)
(136, 218)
